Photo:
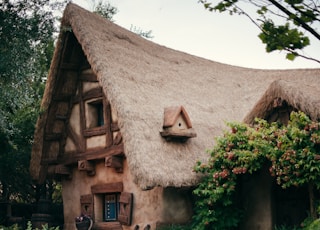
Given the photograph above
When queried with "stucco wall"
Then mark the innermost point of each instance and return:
(149, 207)
(177, 205)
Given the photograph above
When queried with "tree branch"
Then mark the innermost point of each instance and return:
(295, 18)
(301, 55)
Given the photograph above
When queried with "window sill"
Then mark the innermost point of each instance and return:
(95, 131)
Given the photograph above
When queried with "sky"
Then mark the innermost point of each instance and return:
(186, 26)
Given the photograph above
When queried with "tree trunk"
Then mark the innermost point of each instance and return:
(313, 212)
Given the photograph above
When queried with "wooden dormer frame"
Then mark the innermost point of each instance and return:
(171, 115)
(173, 131)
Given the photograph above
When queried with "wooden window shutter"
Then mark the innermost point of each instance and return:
(86, 204)
(126, 206)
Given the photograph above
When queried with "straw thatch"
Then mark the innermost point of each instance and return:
(303, 96)
(141, 78)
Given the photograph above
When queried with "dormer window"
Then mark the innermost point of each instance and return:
(94, 114)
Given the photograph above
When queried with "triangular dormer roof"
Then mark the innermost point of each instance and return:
(171, 115)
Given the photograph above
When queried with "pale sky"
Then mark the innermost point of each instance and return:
(186, 26)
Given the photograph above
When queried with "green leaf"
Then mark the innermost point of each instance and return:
(290, 56)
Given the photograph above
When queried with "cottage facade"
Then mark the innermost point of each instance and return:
(103, 131)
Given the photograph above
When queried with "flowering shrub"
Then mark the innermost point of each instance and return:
(292, 151)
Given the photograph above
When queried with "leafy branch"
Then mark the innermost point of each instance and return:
(288, 36)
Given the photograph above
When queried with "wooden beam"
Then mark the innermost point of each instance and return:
(89, 77)
(118, 139)
(84, 165)
(95, 131)
(52, 136)
(92, 155)
(59, 170)
(114, 127)
(62, 97)
(115, 162)
(69, 66)
(62, 170)
(76, 99)
(93, 93)
(181, 135)
(61, 117)
(106, 188)
(49, 161)
(107, 121)
(80, 145)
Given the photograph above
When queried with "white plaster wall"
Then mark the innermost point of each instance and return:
(75, 119)
(96, 141)
(89, 85)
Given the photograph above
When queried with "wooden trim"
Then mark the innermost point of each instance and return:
(181, 135)
(86, 199)
(107, 188)
(62, 97)
(84, 165)
(118, 139)
(114, 127)
(82, 117)
(89, 77)
(93, 93)
(50, 117)
(52, 136)
(59, 170)
(95, 131)
(177, 134)
(107, 121)
(61, 117)
(115, 162)
(76, 139)
(69, 66)
(86, 202)
(92, 155)
(49, 161)
(63, 170)
(171, 115)
(126, 206)
(76, 99)
(85, 64)
(45, 157)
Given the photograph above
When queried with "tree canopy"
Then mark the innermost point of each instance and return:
(26, 34)
(285, 25)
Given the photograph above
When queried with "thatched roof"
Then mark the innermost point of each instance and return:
(141, 78)
(303, 96)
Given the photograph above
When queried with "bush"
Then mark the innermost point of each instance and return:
(292, 151)
(29, 227)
